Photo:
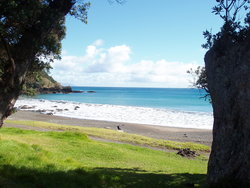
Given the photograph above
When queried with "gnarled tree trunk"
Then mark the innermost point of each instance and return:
(11, 86)
(7, 102)
(228, 76)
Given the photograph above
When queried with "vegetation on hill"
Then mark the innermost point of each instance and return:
(36, 81)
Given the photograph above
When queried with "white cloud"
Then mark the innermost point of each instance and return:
(91, 51)
(110, 60)
(113, 67)
(98, 42)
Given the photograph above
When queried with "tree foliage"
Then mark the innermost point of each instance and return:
(200, 80)
(30, 39)
(233, 29)
(19, 16)
(228, 9)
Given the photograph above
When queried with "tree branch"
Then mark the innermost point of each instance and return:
(237, 8)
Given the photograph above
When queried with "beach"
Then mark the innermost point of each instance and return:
(202, 136)
(119, 113)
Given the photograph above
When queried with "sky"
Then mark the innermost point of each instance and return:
(139, 43)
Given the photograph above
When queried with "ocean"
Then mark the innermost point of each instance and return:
(155, 106)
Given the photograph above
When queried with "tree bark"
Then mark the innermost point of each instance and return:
(228, 76)
(7, 103)
(11, 86)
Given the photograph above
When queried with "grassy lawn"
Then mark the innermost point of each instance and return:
(70, 159)
(116, 136)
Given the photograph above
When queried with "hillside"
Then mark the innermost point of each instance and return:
(42, 82)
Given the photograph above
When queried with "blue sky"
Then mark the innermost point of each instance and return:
(137, 44)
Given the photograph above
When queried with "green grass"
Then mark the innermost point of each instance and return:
(70, 159)
(117, 136)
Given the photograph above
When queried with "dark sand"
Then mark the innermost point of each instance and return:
(160, 132)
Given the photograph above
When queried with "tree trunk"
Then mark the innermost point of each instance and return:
(228, 76)
(7, 103)
(11, 86)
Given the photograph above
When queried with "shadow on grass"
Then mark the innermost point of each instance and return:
(99, 177)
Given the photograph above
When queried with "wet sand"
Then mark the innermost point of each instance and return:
(160, 132)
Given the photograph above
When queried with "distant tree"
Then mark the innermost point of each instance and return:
(227, 78)
(30, 38)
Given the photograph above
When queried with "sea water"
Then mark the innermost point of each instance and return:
(155, 106)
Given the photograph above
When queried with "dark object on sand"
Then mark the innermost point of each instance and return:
(119, 128)
(76, 107)
(40, 111)
(24, 107)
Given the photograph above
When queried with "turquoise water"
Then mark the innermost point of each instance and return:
(167, 98)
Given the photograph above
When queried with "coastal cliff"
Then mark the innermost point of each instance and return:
(42, 83)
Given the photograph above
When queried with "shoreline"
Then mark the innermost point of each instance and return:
(202, 136)
(119, 113)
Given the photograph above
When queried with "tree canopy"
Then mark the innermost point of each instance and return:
(18, 17)
(234, 27)
(30, 39)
